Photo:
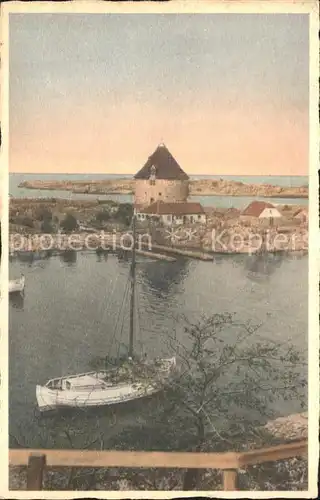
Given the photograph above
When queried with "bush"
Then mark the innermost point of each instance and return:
(124, 213)
(47, 227)
(103, 216)
(44, 214)
(69, 223)
(26, 221)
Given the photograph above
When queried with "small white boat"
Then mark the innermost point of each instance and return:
(106, 387)
(17, 286)
(130, 380)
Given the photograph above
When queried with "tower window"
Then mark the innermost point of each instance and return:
(160, 194)
(151, 200)
(152, 177)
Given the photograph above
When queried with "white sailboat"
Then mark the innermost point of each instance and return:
(131, 380)
(17, 286)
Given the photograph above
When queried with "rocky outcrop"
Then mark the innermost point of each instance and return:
(110, 186)
(292, 427)
(205, 187)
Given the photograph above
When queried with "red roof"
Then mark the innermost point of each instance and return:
(300, 211)
(180, 208)
(256, 208)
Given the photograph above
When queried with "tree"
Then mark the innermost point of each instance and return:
(124, 213)
(103, 216)
(69, 223)
(224, 391)
(47, 227)
(44, 214)
(229, 381)
(26, 221)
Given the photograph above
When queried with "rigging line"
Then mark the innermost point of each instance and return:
(107, 306)
(122, 326)
(139, 323)
(123, 316)
(119, 314)
(104, 310)
(121, 335)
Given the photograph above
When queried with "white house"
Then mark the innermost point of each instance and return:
(301, 214)
(173, 213)
(261, 210)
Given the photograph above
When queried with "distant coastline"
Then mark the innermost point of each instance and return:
(199, 187)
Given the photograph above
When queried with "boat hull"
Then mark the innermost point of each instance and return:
(53, 399)
(17, 286)
(49, 399)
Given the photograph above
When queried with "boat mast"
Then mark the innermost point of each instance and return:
(133, 278)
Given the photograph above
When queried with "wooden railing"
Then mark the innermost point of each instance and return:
(229, 462)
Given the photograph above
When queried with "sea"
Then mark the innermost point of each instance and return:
(70, 313)
(217, 201)
(72, 304)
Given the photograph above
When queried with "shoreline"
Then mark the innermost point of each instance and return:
(158, 252)
(224, 233)
(235, 195)
(205, 187)
(131, 193)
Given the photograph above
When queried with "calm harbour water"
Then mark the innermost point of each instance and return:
(218, 201)
(69, 312)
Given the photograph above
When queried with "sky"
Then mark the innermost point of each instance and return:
(227, 94)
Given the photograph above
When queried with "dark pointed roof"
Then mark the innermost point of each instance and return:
(166, 166)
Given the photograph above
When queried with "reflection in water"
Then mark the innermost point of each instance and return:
(123, 254)
(102, 257)
(221, 258)
(69, 256)
(47, 254)
(31, 257)
(102, 252)
(26, 257)
(262, 265)
(16, 300)
(160, 277)
(77, 312)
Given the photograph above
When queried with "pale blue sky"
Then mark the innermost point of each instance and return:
(64, 66)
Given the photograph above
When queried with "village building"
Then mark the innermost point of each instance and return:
(173, 213)
(261, 210)
(301, 215)
(161, 178)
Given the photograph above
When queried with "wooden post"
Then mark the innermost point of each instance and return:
(229, 479)
(36, 465)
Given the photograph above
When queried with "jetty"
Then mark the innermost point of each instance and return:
(193, 254)
(154, 255)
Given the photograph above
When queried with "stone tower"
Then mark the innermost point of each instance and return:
(161, 178)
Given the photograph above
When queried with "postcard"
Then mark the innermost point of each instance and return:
(159, 268)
